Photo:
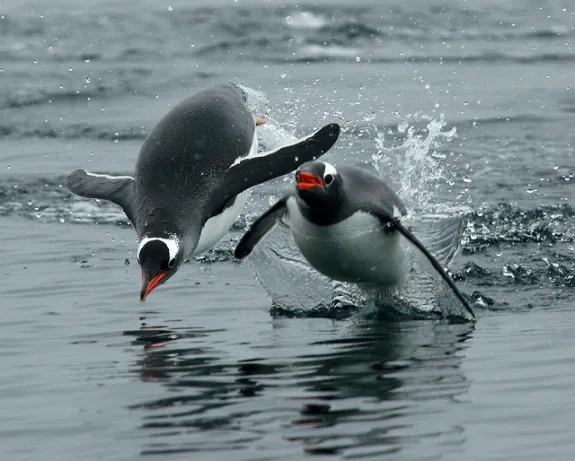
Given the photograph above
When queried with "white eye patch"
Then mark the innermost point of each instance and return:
(173, 245)
(329, 173)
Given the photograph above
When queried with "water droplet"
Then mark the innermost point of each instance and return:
(357, 59)
(70, 69)
(157, 96)
(62, 220)
(466, 179)
(465, 103)
(126, 262)
(29, 202)
(530, 190)
(93, 253)
(556, 167)
(38, 215)
(61, 87)
(1, 69)
(8, 166)
(170, 8)
(35, 61)
(427, 86)
(289, 20)
(88, 79)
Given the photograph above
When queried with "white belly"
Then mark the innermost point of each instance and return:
(217, 226)
(355, 250)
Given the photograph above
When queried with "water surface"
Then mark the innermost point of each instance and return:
(464, 108)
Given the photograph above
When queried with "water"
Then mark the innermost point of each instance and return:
(205, 368)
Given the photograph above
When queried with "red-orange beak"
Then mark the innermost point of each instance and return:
(306, 181)
(148, 286)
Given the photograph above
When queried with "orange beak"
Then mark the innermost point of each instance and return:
(306, 181)
(148, 287)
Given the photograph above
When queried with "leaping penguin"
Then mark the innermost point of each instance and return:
(346, 223)
(192, 177)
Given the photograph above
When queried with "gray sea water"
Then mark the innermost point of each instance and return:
(466, 107)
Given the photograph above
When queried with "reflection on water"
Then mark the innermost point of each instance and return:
(358, 389)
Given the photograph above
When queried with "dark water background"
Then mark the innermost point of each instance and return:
(203, 370)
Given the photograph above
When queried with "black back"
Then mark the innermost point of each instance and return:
(184, 159)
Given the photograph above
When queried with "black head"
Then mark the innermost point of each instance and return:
(159, 259)
(318, 184)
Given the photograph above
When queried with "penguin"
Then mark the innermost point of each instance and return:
(192, 177)
(346, 222)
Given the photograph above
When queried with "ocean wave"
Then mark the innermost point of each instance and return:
(510, 224)
(74, 131)
(320, 54)
(270, 32)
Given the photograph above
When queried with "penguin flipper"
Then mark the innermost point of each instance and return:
(387, 219)
(252, 171)
(116, 189)
(260, 228)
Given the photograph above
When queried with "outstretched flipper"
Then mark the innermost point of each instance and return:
(117, 189)
(260, 228)
(385, 218)
(252, 171)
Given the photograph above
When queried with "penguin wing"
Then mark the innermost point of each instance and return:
(117, 189)
(252, 171)
(260, 228)
(386, 218)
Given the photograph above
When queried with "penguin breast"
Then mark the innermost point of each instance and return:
(356, 249)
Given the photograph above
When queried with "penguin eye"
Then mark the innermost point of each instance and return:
(171, 263)
(328, 179)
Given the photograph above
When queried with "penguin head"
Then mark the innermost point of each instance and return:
(159, 259)
(317, 183)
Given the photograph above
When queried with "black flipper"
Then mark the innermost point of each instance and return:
(260, 228)
(387, 219)
(256, 170)
(117, 189)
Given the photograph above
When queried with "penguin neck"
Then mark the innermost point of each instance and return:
(321, 212)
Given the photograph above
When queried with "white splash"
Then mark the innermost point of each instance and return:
(415, 166)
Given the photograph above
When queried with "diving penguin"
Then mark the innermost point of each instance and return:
(192, 177)
(346, 223)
